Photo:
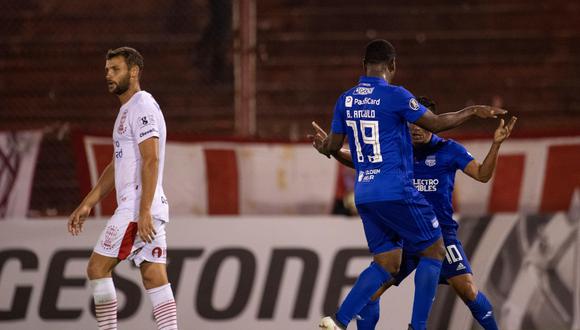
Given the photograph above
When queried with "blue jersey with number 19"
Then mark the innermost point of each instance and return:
(374, 116)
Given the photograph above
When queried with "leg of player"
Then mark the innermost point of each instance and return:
(99, 272)
(475, 300)
(369, 316)
(369, 281)
(155, 281)
(426, 282)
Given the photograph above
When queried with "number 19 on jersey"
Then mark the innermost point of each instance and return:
(372, 127)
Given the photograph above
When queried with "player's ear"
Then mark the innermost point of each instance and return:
(391, 66)
(134, 72)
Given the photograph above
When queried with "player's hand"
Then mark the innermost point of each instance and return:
(318, 139)
(486, 111)
(145, 227)
(77, 219)
(503, 131)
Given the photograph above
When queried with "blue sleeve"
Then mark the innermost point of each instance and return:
(462, 157)
(338, 122)
(408, 107)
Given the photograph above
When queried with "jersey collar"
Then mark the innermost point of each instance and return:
(133, 98)
(373, 80)
(435, 139)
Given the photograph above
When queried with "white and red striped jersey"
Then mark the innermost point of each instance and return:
(138, 120)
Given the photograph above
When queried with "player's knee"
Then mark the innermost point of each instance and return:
(466, 290)
(435, 251)
(100, 266)
(390, 265)
(392, 268)
(96, 271)
(149, 282)
(153, 275)
(149, 279)
(470, 292)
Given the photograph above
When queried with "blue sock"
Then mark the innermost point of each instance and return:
(426, 281)
(369, 315)
(368, 282)
(482, 311)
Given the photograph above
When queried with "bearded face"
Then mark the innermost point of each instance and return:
(117, 75)
(120, 87)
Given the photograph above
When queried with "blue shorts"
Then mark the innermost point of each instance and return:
(388, 223)
(454, 264)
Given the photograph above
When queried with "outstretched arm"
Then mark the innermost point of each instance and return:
(437, 123)
(484, 171)
(104, 186)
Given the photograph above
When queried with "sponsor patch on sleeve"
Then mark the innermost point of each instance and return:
(146, 121)
(151, 131)
(413, 104)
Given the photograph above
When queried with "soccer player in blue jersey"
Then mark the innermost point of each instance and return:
(374, 116)
(436, 161)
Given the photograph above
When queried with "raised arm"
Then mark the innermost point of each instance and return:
(104, 186)
(484, 171)
(437, 123)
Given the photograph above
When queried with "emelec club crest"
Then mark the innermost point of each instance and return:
(431, 161)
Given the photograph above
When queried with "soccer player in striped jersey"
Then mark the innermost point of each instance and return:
(137, 229)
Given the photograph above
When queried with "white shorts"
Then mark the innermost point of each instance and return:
(120, 240)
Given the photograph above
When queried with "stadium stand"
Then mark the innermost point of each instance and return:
(310, 51)
(518, 54)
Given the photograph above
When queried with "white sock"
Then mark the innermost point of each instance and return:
(164, 307)
(105, 298)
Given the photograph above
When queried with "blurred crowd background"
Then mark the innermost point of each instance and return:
(517, 54)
